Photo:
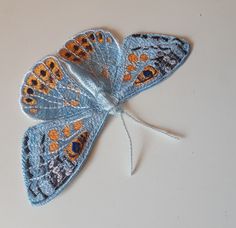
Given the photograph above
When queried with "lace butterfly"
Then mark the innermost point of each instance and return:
(75, 90)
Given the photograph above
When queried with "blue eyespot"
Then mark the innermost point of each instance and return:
(147, 73)
(76, 147)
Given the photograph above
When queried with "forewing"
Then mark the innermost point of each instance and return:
(147, 60)
(49, 92)
(97, 53)
(55, 151)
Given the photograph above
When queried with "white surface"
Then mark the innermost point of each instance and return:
(187, 184)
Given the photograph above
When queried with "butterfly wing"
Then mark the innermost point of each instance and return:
(53, 152)
(147, 60)
(50, 92)
(63, 89)
(96, 53)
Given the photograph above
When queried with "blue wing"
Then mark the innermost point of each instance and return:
(65, 89)
(147, 60)
(53, 152)
(50, 92)
(95, 52)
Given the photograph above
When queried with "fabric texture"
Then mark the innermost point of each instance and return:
(75, 90)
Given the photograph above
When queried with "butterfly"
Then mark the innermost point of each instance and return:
(75, 90)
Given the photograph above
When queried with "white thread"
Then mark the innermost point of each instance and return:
(147, 125)
(157, 129)
(130, 143)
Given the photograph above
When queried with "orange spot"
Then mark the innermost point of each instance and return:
(75, 48)
(66, 131)
(25, 90)
(82, 54)
(66, 54)
(132, 58)
(77, 125)
(88, 48)
(32, 81)
(36, 84)
(70, 45)
(81, 39)
(91, 37)
(99, 37)
(51, 82)
(53, 146)
(130, 68)
(29, 100)
(43, 89)
(109, 40)
(74, 103)
(127, 77)
(143, 57)
(53, 134)
(33, 110)
(105, 73)
(54, 67)
(41, 71)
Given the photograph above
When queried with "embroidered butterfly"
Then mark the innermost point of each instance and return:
(74, 92)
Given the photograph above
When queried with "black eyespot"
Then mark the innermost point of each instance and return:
(92, 37)
(84, 40)
(58, 72)
(34, 82)
(88, 48)
(43, 72)
(82, 54)
(28, 100)
(76, 48)
(52, 65)
(68, 55)
(30, 91)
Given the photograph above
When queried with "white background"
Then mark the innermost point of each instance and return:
(187, 184)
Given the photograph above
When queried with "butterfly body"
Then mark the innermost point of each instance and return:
(75, 90)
